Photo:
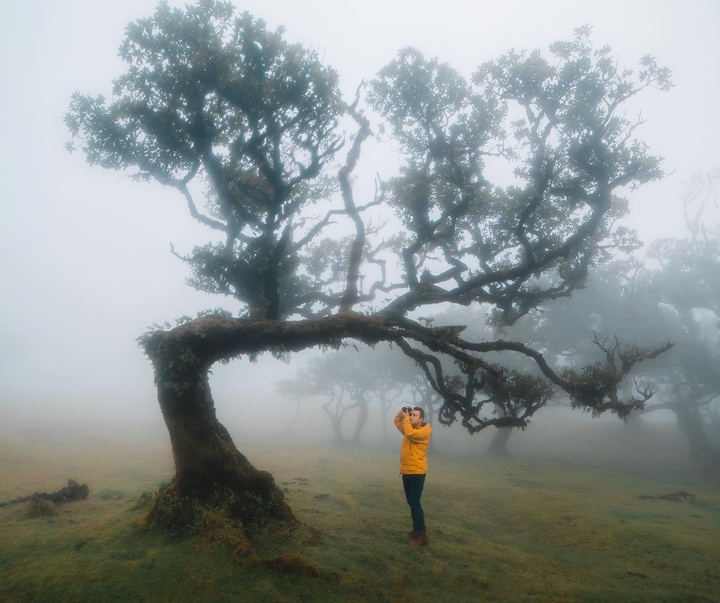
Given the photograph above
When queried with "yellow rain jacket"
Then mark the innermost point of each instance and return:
(413, 450)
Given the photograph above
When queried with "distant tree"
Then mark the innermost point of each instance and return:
(298, 390)
(344, 385)
(216, 103)
(359, 379)
(353, 379)
(673, 293)
(687, 285)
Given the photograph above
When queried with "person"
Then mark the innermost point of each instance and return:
(413, 466)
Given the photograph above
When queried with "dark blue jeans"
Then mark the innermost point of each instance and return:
(413, 484)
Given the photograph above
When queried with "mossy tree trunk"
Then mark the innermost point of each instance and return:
(209, 469)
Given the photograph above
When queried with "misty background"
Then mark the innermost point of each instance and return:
(85, 252)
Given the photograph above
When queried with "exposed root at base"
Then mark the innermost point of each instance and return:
(215, 523)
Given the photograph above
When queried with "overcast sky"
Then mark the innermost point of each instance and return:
(84, 253)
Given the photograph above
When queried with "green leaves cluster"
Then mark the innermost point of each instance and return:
(558, 122)
(211, 98)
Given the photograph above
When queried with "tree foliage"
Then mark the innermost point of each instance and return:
(222, 101)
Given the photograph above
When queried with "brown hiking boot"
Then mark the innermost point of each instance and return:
(418, 539)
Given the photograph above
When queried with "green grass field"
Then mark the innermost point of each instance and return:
(519, 529)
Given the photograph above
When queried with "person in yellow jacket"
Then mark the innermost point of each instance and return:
(413, 465)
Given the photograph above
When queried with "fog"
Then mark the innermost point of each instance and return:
(86, 263)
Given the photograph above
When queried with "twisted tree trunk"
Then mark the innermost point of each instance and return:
(362, 420)
(499, 444)
(209, 469)
(210, 472)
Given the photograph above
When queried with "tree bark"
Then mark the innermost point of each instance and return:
(499, 443)
(338, 437)
(361, 422)
(209, 469)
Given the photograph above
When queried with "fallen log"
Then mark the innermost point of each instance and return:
(72, 492)
(680, 496)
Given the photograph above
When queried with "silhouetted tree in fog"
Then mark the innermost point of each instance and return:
(673, 294)
(351, 379)
(686, 284)
(220, 108)
(344, 384)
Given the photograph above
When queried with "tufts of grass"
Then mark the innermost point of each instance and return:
(39, 508)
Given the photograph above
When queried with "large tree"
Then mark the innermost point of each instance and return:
(216, 104)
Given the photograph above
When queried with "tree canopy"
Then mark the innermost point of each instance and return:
(508, 189)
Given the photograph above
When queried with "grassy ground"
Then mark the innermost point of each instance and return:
(517, 529)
